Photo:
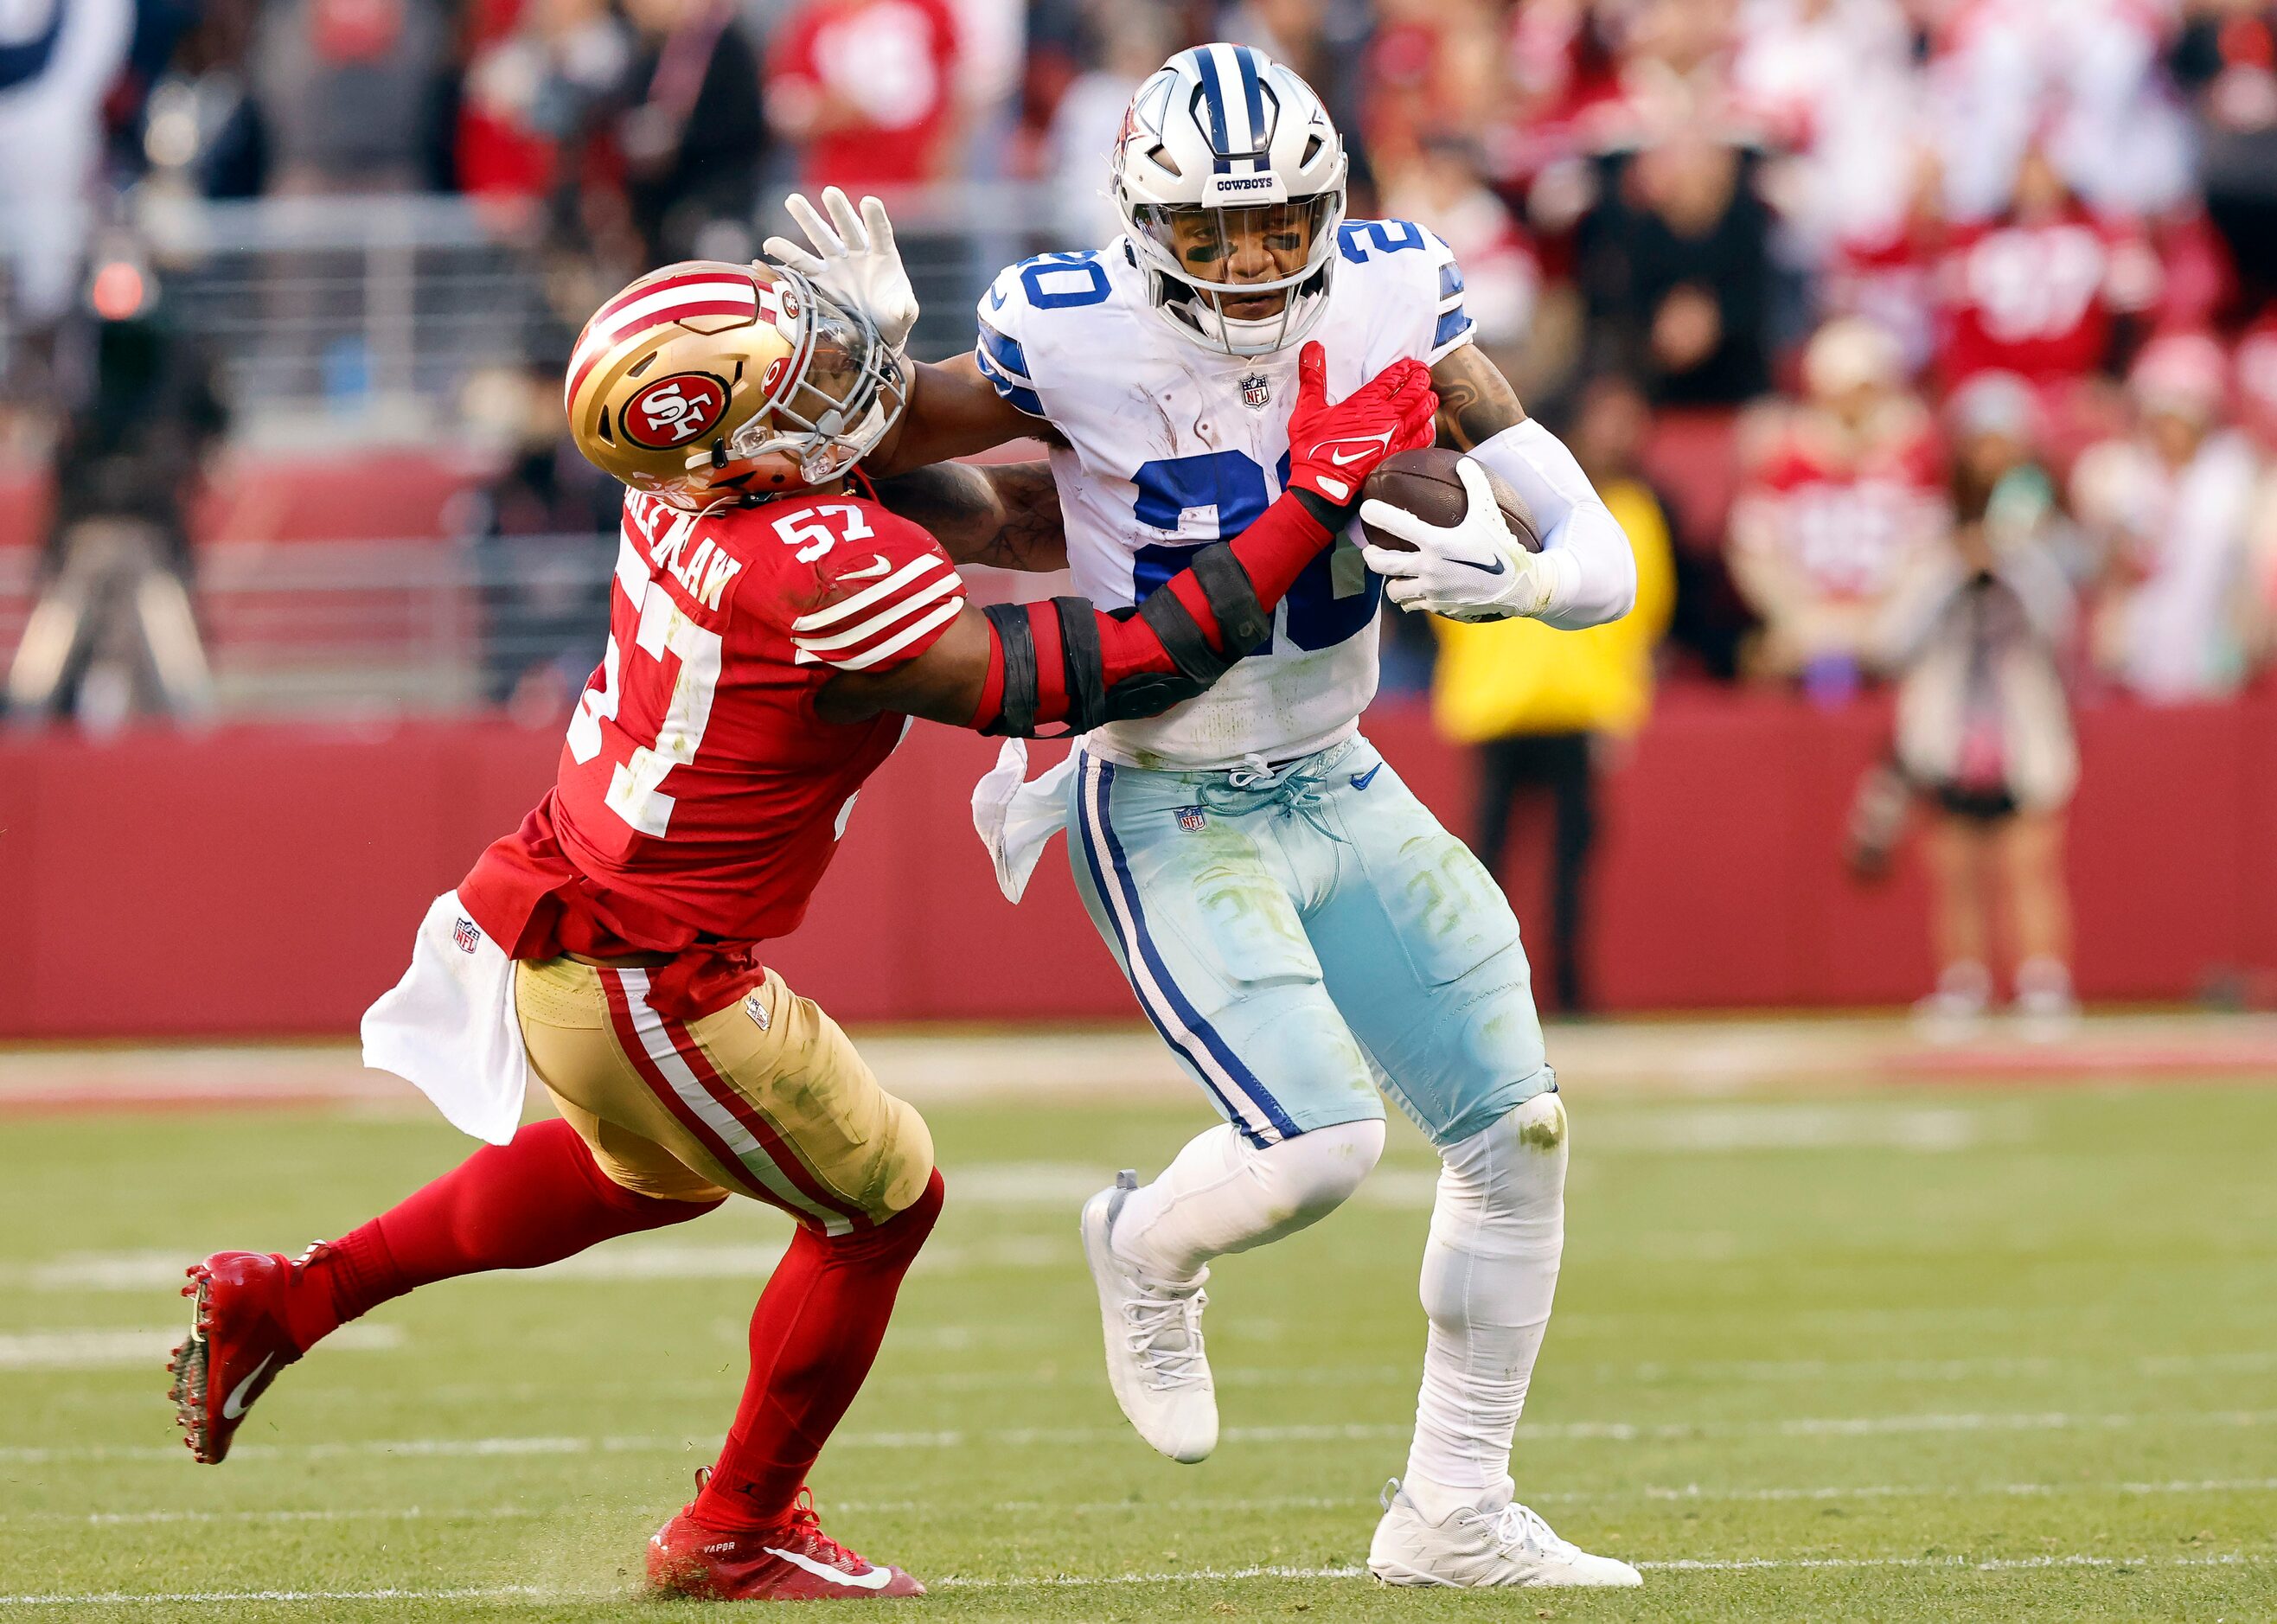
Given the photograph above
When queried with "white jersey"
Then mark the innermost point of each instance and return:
(1169, 446)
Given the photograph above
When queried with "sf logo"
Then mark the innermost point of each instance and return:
(673, 410)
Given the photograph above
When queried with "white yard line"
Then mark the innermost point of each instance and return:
(94, 1349)
(1615, 1431)
(1686, 1493)
(1204, 1575)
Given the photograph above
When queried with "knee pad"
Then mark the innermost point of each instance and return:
(1310, 1176)
(1498, 1225)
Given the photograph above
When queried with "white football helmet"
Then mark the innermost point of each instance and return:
(1227, 155)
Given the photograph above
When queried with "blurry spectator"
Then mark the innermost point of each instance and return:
(1429, 69)
(542, 533)
(867, 89)
(2167, 509)
(1844, 489)
(2036, 292)
(694, 134)
(1833, 83)
(202, 129)
(349, 92)
(2227, 56)
(1677, 274)
(57, 58)
(2082, 76)
(1547, 708)
(2256, 391)
(113, 626)
(1089, 118)
(539, 70)
(1886, 269)
(1975, 627)
(1501, 277)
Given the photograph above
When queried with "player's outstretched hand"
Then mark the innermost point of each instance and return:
(1333, 449)
(1473, 571)
(853, 260)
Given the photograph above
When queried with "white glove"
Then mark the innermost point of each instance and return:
(854, 261)
(1475, 571)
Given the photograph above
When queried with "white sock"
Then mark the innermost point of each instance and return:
(1490, 1272)
(1223, 1194)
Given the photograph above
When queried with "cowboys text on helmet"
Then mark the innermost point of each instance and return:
(1229, 177)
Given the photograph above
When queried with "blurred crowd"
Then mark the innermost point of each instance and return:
(1829, 241)
(1933, 341)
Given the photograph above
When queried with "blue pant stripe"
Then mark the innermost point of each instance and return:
(1243, 1079)
(1129, 955)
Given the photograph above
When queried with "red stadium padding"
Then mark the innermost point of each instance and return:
(267, 880)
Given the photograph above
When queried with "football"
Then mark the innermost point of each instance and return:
(1425, 483)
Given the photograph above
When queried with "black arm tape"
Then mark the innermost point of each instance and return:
(1017, 714)
(1243, 624)
(1084, 662)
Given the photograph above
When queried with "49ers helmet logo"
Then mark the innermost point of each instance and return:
(673, 410)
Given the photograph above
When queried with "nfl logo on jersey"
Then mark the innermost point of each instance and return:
(468, 935)
(1256, 392)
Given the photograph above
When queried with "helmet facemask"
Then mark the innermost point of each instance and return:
(841, 391)
(1231, 180)
(1198, 250)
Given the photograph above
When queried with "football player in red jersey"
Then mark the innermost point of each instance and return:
(770, 630)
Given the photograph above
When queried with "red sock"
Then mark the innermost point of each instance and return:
(813, 1337)
(535, 1201)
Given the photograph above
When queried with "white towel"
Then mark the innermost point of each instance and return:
(1016, 820)
(450, 1025)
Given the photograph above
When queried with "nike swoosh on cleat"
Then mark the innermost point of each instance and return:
(1361, 781)
(876, 1579)
(233, 1406)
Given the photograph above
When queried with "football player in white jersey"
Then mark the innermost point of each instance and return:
(1297, 925)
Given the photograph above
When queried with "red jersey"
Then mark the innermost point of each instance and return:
(700, 797)
(889, 66)
(1847, 516)
(2039, 300)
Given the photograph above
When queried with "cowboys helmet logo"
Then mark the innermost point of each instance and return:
(1256, 392)
(673, 410)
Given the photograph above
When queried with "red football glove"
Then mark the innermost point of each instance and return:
(1333, 449)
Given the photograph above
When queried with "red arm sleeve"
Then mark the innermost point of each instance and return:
(1273, 552)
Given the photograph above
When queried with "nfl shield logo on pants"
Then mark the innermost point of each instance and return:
(468, 935)
(1256, 392)
(1191, 819)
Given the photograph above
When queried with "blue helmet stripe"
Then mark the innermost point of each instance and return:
(1215, 94)
(1254, 92)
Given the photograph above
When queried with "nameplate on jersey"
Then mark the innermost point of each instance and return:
(1239, 191)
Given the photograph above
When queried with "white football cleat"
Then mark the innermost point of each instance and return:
(1476, 1547)
(1153, 1331)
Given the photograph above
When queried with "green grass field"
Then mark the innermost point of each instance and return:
(1889, 1353)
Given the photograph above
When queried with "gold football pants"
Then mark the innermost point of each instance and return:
(766, 1097)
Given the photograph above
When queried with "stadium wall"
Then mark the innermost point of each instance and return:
(266, 880)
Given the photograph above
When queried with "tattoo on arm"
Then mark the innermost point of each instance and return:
(1475, 401)
(1006, 516)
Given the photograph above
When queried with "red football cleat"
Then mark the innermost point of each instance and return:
(793, 1561)
(238, 1343)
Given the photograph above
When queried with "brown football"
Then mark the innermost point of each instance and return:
(1425, 483)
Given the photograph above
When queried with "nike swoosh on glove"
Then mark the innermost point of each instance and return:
(1333, 449)
(1474, 570)
(854, 261)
